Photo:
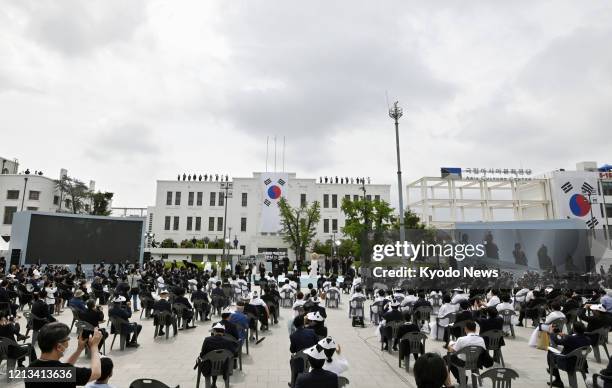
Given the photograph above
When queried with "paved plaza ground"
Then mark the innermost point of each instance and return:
(172, 360)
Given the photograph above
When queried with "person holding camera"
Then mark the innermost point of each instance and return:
(53, 341)
(94, 316)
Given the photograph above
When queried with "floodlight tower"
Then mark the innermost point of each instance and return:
(395, 113)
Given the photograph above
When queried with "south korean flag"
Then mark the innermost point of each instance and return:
(273, 189)
(579, 197)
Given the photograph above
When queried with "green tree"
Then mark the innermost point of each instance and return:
(75, 191)
(298, 225)
(366, 223)
(411, 221)
(100, 203)
(168, 243)
(187, 244)
(322, 248)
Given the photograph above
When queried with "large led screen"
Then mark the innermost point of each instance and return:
(56, 239)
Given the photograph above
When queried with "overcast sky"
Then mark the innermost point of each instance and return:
(128, 92)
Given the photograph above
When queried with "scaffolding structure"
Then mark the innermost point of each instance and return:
(441, 202)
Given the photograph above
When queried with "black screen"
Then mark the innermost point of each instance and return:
(65, 240)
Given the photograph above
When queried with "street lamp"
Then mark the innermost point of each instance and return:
(395, 113)
(227, 186)
(149, 236)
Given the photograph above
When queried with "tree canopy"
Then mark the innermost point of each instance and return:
(298, 225)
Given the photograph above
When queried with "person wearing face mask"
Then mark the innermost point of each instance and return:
(53, 341)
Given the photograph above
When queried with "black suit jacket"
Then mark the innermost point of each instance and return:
(302, 339)
(487, 324)
(93, 317)
(393, 315)
(162, 305)
(318, 378)
(41, 310)
(573, 342)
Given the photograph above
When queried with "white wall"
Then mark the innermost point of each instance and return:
(252, 238)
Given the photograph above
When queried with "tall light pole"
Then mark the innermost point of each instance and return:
(395, 113)
(227, 186)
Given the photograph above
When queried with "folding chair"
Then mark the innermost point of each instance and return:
(394, 325)
(237, 342)
(422, 313)
(219, 366)
(82, 325)
(416, 342)
(376, 312)
(75, 316)
(332, 298)
(472, 354)
(493, 340)
(117, 323)
(507, 314)
(602, 340)
(149, 383)
(605, 379)
(165, 319)
(500, 377)
(304, 366)
(342, 381)
(580, 365)
(10, 362)
(179, 309)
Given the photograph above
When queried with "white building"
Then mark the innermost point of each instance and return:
(195, 209)
(490, 195)
(22, 191)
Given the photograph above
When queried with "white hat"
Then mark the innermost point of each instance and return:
(163, 292)
(218, 326)
(318, 317)
(457, 289)
(119, 299)
(227, 310)
(315, 353)
(192, 281)
(311, 316)
(598, 307)
(327, 343)
(160, 279)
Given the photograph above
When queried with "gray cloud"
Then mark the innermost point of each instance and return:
(74, 27)
(125, 142)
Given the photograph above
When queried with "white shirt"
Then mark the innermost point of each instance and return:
(554, 315)
(338, 365)
(494, 301)
(458, 298)
(504, 306)
(471, 339)
(357, 295)
(257, 302)
(445, 309)
(50, 299)
(410, 299)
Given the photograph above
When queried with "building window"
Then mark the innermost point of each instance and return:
(34, 195)
(199, 199)
(608, 210)
(176, 223)
(368, 198)
(190, 198)
(335, 225)
(219, 224)
(56, 199)
(169, 198)
(244, 199)
(213, 198)
(326, 225)
(67, 202)
(32, 208)
(198, 224)
(211, 224)
(12, 194)
(355, 197)
(221, 198)
(189, 222)
(8, 214)
(177, 198)
(335, 201)
(377, 197)
(243, 224)
(325, 200)
(302, 200)
(87, 207)
(347, 197)
(606, 186)
(167, 223)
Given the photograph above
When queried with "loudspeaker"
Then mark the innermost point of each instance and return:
(589, 263)
(146, 257)
(15, 256)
